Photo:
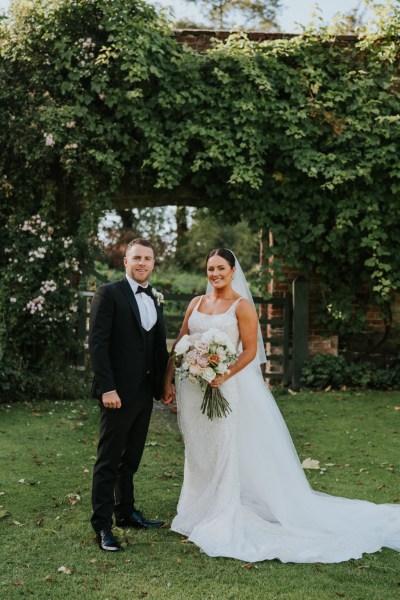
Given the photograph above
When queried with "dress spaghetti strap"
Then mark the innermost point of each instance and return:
(234, 305)
(198, 304)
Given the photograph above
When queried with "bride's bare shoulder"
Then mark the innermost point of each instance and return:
(245, 308)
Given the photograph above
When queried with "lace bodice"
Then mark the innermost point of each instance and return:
(226, 322)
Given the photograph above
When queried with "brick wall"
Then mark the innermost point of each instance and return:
(374, 343)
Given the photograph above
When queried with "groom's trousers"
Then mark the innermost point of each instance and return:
(123, 434)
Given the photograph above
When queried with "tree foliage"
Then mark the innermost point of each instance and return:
(207, 232)
(259, 15)
(298, 136)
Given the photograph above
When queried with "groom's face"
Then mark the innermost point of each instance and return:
(139, 263)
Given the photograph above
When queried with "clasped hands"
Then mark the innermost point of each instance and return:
(169, 394)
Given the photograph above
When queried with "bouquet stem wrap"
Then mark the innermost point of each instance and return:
(214, 404)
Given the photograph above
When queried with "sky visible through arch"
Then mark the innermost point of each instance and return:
(293, 11)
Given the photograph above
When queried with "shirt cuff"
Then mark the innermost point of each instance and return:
(110, 392)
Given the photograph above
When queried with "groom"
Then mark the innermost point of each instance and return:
(129, 356)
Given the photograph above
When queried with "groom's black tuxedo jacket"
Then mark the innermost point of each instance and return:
(117, 343)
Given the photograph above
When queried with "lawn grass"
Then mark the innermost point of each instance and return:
(47, 452)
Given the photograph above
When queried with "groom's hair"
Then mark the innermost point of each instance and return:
(140, 242)
(224, 253)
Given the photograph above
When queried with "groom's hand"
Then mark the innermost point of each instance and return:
(111, 400)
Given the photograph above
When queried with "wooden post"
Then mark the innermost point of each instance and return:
(84, 301)
(287, 309)
(300, 328)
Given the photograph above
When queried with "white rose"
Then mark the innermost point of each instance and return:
(183, 345)
(208, 374)
(207, 336)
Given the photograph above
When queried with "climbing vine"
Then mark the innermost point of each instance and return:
(299, 136)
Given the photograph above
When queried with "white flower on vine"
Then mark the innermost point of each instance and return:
(38, 253)
(48, 286)
(35, 305)
(49, 139)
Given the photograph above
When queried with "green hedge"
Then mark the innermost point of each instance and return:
(324, 370)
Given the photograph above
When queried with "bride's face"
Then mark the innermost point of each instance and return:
(219, 272)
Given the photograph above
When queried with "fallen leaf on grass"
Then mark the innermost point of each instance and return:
(73, 498)
(39, 522)
(155, 444)
(4, 513)
(93, 560)
(64, 570)
(17, 523)
(25, 482)
(17, 583)
(49, 579)
(2, 493)
(310, 463)
(47, 530)
(397, 408)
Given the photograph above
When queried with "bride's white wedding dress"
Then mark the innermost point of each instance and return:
(245, 494)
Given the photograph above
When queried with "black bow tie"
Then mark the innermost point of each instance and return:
(146, 290)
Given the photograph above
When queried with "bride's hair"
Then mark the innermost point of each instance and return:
(224, 253)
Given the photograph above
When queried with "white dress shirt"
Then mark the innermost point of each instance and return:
(147, 309)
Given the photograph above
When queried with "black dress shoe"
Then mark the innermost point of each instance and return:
(107, 541)
(136, 519)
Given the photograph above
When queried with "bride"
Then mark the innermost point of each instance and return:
(244, 493)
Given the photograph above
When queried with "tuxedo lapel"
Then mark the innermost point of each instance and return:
(130, 296)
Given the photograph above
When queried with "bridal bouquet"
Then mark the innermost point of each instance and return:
(201, 357)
